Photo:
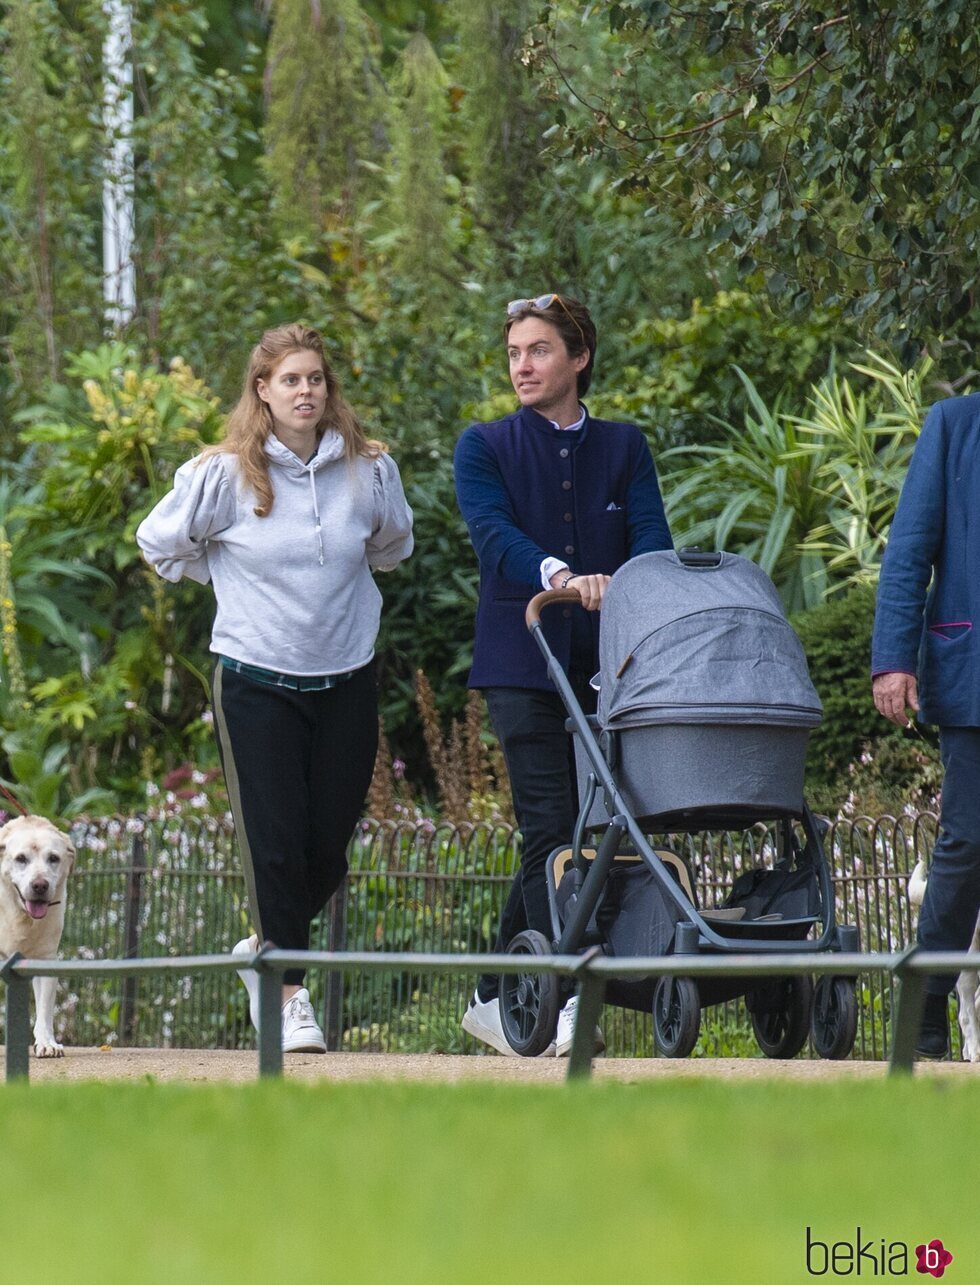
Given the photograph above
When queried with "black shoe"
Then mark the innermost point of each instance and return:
(932, 1044)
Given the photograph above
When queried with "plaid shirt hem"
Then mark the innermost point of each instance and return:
(295, 682)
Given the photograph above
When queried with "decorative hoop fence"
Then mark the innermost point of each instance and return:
(151, 896)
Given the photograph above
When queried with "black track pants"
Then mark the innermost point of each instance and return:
(297, 766)
(530, 726)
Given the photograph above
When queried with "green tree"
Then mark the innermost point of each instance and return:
(678, 374)
(396, 18)
(418, 209)
(833, 152)
(49, 189)
(206, 251)
(325, 123)
(501, 119)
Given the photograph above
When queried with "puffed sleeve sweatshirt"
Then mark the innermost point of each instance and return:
(294, 589)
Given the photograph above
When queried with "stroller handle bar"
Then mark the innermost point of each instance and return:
(532, 616)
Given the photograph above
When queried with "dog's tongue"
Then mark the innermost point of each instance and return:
(37, 909)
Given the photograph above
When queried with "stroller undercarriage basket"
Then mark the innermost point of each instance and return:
(635, 918)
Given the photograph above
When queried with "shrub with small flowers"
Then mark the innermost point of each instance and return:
(894, 777)
(189, 792)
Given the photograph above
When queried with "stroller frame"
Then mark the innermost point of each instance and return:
(834, 1005)
(622, 822)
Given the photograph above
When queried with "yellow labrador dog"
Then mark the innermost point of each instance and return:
(35, 862)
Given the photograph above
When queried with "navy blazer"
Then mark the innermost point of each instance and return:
(929, 588)
(529, 491)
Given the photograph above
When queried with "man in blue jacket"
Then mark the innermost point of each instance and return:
(553, 499)
(926, 659)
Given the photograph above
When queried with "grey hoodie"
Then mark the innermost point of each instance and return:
(294, 589)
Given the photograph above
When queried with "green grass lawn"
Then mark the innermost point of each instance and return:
(690, 1181)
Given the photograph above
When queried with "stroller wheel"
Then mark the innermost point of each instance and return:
(780, 1013)
(529, 1001)
(834, 1017)
(676, 1015)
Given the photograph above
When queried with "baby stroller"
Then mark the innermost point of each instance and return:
(705, 708)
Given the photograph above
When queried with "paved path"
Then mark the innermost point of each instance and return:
(201, 1065)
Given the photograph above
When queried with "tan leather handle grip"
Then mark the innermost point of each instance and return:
(532, 616)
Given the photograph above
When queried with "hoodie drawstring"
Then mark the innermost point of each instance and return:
(316, 514)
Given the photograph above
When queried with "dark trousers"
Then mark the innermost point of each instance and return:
(530, 726)
(952, 900)
(297, 766)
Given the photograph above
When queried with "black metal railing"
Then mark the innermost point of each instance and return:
(590, 972)
(172, 887)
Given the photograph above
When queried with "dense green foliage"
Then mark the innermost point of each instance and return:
(836, 637)
(48, 192)
(834, 150)
(320, 55)
(101, 657)
(502, 120)
(680, 374)
(393, 174)
(854, 751)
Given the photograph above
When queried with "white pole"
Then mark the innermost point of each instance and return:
(118, 271)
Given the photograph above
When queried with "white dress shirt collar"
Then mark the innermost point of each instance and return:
(569, 428)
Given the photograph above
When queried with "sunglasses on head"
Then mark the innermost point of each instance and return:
(541, 304)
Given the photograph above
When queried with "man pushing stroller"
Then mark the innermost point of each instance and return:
(553, 499)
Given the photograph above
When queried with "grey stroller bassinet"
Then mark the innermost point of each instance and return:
(704, 692)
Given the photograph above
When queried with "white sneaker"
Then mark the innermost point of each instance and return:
(482, 1021)
(250, 979)
(300, 1030)
(566, 1030)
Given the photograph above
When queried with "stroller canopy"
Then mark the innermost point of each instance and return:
(684, 643)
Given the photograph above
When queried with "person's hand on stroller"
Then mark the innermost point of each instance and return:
(894, 695)
(589, 588)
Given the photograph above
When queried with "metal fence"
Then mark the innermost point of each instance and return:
(172, 887)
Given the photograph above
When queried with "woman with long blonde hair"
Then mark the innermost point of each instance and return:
(288, 517)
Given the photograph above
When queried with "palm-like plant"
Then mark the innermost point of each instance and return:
(869, 457)
(809, 497)
(756, 494)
